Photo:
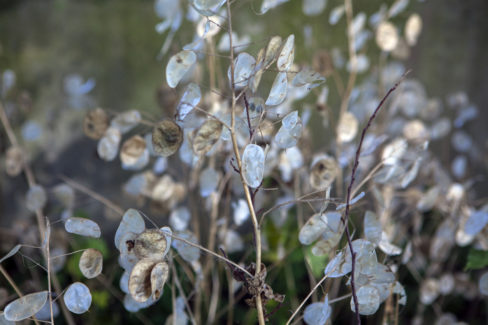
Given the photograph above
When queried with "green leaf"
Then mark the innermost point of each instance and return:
(477, 259)
(317, 263)
(100, 298)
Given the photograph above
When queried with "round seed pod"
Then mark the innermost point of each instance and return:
(132, 149)
(95, 124)
(13, 161)
(208, 134)
(323, 173)
(91, 263)
(167, 138)
(140, 280)
(151, 244)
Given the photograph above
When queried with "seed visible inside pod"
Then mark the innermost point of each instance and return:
(96, 123)
(167, 138)
(132, 150)
(159, 275)
(140, 280)
(91, 263)
(150, 243)
(207, 136)
(323, 173)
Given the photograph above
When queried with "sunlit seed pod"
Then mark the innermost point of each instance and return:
(140, 280)
(253, 160)
(368, 300)
(413, 27)
(96, 123)
(77, 298)
(337, 266)
(36, 198)
(317, 313)
(191, 98)
(272, 49)
(82, 227)
(323, 172)
(394, 151)
(167, 138)
(347, 127)
(429, 199)
(151, 243)
(206, 136)
(108, 145)
(132, 150)
(167, 233)
(13, 161)
(179, 219)
(241, 211)
(429, 291)
(287, 54)
(312, 230)
(159, 275)
(290, 131)
(45, 313)
(25, 307)
(372, 227)
(126, 121)
(178, 65)
(243, 68)
(387, 247)
(336, 14)
(188, 253)
(279, 89)
(386, 36)
(309, 77)
(91, 263)
(397, 7)
(132, 221)
(416, 131)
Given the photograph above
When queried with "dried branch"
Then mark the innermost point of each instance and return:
(345, 217)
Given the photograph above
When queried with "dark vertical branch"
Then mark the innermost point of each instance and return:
(345, 218)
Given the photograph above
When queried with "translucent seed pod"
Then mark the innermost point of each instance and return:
(96, 123)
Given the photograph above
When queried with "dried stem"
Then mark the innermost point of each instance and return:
(39, 214)
(345, 217)
(257, 232)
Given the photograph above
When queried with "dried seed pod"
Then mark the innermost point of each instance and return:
(26, 306)
(151, 244)
(133, 150)
(13, 161)
(108, 145)
(91, 263)
(347, 128)
(140, 280)
(323, 173)
(159, 275)
(167, 138)
(95, 124)
(77, 298)
(207, 136)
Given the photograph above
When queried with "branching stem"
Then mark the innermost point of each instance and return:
(345, 217)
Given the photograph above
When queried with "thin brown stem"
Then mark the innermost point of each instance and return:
(345, 218)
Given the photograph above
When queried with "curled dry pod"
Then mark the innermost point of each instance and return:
(159, 275)
(95, 124)
(151, 244)
(207, 136)
(323, 173)
(132, 150)
(13, 161)
(91, 263)
(167, 138)
(140, 280)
